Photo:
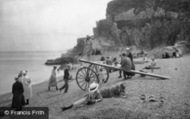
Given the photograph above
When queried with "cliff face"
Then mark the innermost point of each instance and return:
(145, 24)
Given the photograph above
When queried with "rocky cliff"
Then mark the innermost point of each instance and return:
(146, 24)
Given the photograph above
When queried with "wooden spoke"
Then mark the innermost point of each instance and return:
(80, 76)
(84, 76)
(97, 68)
(86, 86)
(83, 84)
(83, 72)
(82, 81)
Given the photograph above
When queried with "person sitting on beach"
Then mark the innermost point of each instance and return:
(18, 98)
(114, 91)
(152, 65)
(102, 58)
(174, 55)
(66, 78)
(114, 59)
(167, 55)
(52, 79)
(92, 97)
(108, 61)
(27, 87)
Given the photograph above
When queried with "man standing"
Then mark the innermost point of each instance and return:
(66, 79)
(126, 65)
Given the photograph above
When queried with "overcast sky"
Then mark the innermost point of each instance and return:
(34, 25)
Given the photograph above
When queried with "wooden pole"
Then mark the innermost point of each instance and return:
(119, 68)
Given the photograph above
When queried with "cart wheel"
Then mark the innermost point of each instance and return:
(85, 76)
(104, 71)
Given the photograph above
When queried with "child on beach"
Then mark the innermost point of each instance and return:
(101, 76)
(152, 65)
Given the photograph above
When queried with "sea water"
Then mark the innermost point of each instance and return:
(12, 62)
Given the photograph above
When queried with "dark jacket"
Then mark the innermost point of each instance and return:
(66, 74)
(126, 63)
(130, 56)
(18, 98)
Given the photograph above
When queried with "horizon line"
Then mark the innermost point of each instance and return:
(33, 50)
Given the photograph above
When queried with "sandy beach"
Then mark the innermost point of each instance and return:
(175, 93)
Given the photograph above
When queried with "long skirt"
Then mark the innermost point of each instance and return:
(18, 101)
(52, 81)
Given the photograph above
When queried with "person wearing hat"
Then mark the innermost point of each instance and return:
(52, 79)
(126, 65)
(66, 78)
(18, 97)
(92, 97)
(27, 87)
(129, 54)
(21, 76)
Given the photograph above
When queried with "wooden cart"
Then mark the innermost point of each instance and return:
(88, 74)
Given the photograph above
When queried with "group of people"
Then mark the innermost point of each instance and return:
(175, 54)
(21, 90)
(126, 63)
(66, 78)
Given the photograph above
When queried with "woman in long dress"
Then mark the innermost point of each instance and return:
(18, 98)
(52, 79)
(27, 87)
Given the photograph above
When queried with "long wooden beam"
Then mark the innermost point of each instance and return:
(119, 68)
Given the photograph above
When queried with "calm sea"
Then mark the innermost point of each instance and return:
(12, 62)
